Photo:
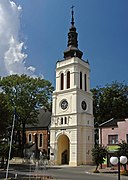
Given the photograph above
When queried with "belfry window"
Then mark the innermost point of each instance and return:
(80, 80)
(62, 81)
(68, 79)
(85, 82)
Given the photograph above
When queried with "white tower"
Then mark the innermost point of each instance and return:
(72, 122)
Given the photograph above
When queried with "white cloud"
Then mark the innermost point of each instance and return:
(12, 57)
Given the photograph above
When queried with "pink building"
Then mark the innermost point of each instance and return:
(111, 133)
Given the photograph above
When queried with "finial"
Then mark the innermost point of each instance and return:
(72, 22)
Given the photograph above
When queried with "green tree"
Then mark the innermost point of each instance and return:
(123, 151)
(4, 150)
(27, 95)
(4, 114)
(110, 101)
(99, 152)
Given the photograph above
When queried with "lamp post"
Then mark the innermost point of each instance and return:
(10, 146)
(118, 160)
(12, 131)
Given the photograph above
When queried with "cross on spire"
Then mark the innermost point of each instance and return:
(72, 22)
(72, 7)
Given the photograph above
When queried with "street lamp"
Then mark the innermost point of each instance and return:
(10, 146)
(12, 131)
(118, 160)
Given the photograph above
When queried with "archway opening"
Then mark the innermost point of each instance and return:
(63, 150)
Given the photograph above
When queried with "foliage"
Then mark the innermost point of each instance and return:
(99, 152)
(123, 151)
(110, 101)
(123, 148)
(4, 114)
(124, 172)
(4, 150)
(26, 95)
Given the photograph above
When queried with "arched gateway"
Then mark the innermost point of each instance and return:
(63, 149)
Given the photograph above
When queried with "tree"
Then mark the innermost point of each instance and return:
(4, 114)
(26, 95)
(110, 101)
(4, 149)
(123, 151)
(99, 152)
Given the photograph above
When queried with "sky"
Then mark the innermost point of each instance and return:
(33, 37)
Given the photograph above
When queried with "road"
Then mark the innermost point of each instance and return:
(80, 173)
(60, 172)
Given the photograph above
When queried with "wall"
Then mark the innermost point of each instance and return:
(38, 132)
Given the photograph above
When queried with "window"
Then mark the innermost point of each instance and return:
(41, 140)
(62, 82)
(85, 82)
(61, 120)
(80, 80)
(30, 138)
(112, 139)
(68, 79)
(65, 120)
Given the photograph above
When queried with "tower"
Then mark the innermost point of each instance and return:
(72, 123)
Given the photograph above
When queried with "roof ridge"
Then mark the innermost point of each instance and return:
(106, 121)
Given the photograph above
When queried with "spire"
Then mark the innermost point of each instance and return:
(72, 22)
(72, 50)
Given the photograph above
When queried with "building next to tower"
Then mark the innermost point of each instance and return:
(72, 122)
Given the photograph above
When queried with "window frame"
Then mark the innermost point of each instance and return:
(113, 137)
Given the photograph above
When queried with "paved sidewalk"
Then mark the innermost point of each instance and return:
(89, 168)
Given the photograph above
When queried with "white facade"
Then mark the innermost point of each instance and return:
(72, 122)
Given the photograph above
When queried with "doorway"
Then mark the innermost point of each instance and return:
(63, 150)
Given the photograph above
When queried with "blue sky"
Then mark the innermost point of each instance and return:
(102, 36)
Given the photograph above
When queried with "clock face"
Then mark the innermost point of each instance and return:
(84, 105)
(64, 104)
